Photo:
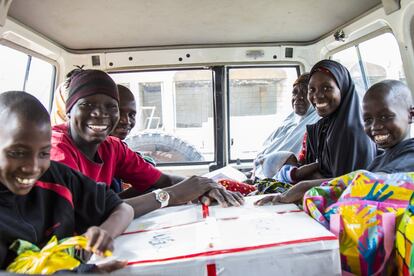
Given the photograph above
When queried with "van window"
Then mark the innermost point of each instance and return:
(174, 121)
(19, 71)
(372, 61)
(259, 101)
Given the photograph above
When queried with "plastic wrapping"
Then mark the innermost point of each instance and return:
(404, 242)
(366, 207)
(54, 256)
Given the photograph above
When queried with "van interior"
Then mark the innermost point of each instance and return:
(212, 78)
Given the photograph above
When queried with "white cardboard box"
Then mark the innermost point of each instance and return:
(250, 240)
(227, 172)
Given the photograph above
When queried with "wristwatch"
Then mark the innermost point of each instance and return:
(162, 197)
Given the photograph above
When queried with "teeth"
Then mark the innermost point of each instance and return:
(26, 181)
(321, 105)
(98, 127)
(381, 138)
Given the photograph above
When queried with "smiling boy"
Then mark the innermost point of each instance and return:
(84, 144)
(127, 113)
(40, 198)
(387, 112)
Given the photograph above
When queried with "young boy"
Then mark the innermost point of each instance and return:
(40, 198)
(387, 113)
(127, 113)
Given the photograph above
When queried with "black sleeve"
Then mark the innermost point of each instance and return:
(81, 269)
(401, 161)
(3, 256)
(93, 202)
(310, 152)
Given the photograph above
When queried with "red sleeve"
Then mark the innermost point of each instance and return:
(64, 152)
(302, 153)
(134, 170)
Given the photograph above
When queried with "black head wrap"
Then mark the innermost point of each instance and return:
(85, 83)
(338, 142)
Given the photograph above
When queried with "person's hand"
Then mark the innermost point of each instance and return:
(196, 186)
(292, 195)
(99, 241)
(190, 189)
(223, 197)
(109, 267)
(273, 199)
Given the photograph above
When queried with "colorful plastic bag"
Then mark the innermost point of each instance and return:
(55, 255)
(404, 242)
(366, 237)
(365, 199)
(395, 189)
(318, 199)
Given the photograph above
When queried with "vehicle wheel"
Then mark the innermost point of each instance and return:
(164, 148)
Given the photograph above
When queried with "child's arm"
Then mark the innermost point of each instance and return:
(292, 195)
(118, 220)
(305, 172)
(99, 213)
(101, 238)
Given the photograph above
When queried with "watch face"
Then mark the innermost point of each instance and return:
(163, 196)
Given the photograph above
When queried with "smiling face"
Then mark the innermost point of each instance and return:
(127, 113)
(92, 119)
(386, 118)
(300, 102)
(324, 93)
(24, 153)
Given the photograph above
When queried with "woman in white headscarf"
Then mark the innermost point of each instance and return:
(288, 137)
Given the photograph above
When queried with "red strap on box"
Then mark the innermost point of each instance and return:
(206, 211)
(235, 250)
(211, 270)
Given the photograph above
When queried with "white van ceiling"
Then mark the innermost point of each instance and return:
(109, 24)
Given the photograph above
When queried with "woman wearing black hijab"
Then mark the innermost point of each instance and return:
(337, 141)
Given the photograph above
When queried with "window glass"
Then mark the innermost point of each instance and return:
(349, 58)
(382, 59)
(16, 66)
(12, 69)
(379, 59)
(150, 97)
(174, 114)
(259, 100)
(40, 80)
